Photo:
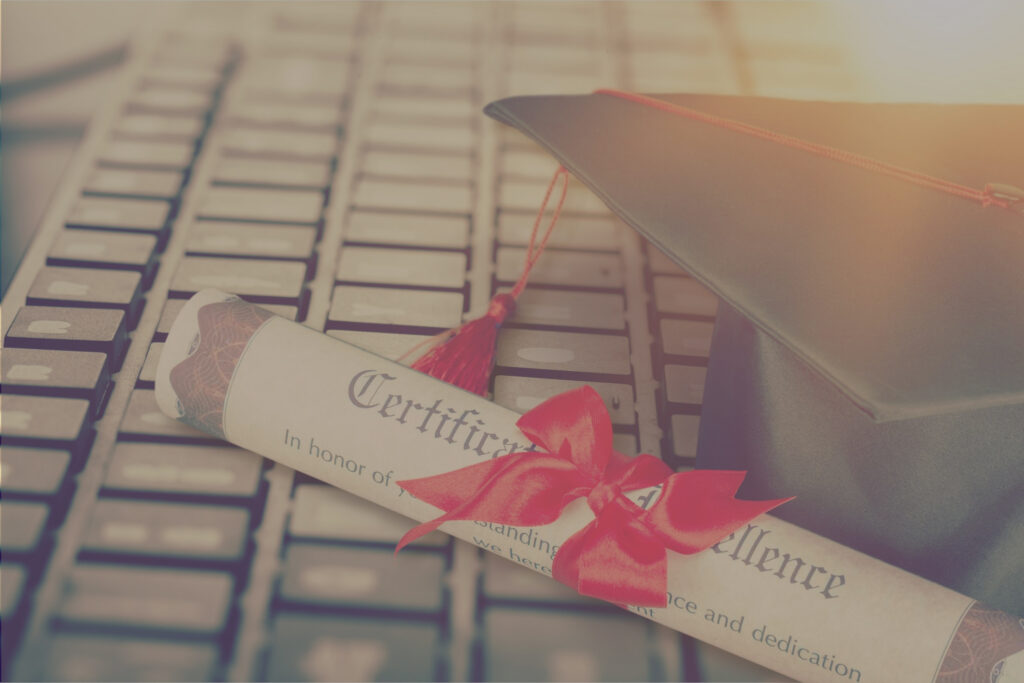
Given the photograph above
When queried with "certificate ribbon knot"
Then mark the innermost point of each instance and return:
(620, 555)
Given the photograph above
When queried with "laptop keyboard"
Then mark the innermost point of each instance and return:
(329, 161)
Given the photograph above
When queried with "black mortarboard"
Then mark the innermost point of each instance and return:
(868, 356)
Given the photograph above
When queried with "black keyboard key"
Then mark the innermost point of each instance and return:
(165, 99)
(147, 375)
(103, 249)
(44, 372)
(318, 648)
(23, 526)
(180, 129)
(48, 327)
(407, 229)
(401, 307)
(326, 513)
(186, 471)
(168, 530)
(80, 657)
(256, 240)
(117, 182)
(173, 306)
(262, 281)
(172, 156)
(45, 422)
(564, 646)
(686, 337)
(509, 581)
(345, 576)
(305, 116)
(88, 288)
(405, 267)
(144, 421)
(132, 215)
(563, 352)
(34, 472)
(188, 601)
(262, 204)
(12, 586)
(312, 175)
(282, 144)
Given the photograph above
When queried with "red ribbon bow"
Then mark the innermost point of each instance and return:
(620, 555)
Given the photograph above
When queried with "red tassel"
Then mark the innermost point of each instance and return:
(464, 356)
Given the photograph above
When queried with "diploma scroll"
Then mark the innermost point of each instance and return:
(770, 592)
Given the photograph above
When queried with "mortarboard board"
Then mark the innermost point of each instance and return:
(868, 355)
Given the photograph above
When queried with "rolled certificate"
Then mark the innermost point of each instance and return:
(770, 592)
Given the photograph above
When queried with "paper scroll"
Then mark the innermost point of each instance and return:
(771, 592)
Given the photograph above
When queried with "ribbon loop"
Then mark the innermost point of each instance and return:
(620, 555)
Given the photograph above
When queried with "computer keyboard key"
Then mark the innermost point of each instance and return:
(686, 337)
(255, 111)
(274, 282)
(418, 166)
(293, 79)
(314, 175)
(405, 229)
(195, 78)
(431, 78)
(525, 393)
(396, 195)
(49, 327)
(684, 296)
(32, 472)
(561, 308)
(137, 215)
(185, 600)
(285, 144)
(527, 195)
(174, 156)
(166, 99)
(12, 585)
(322, 575)
(45, 372)
(45, 421)
(89, 288)
(181, 129)
(262, 204)
(410, 135)
(117, 182)
(450, 110)
(23, 525)
(591, 233)
(144, 421)
(80, 657)
(103, 249)
(390, 345)
(526, 163)
(326, 648)
(167, 530)
(522, 645)
(562, 351)
(399, 307)
(147, 375)
(227, 238)
(405, 267)
(564, 268)
(661, 264)
(325, 513)
(509, 581)
(685, 383)
(223, 472)
(173, 306)
(685, 429)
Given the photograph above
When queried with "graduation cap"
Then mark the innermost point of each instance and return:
(868, 354)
